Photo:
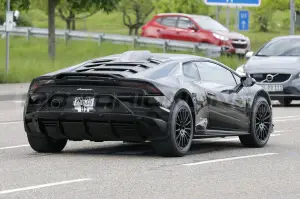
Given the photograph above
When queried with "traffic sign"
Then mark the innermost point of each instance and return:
(235, 3)
(244, 20)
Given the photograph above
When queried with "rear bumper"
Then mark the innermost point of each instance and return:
(95, 126)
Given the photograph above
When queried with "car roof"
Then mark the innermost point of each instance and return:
(132, 62)
(286, 37)
(181, 14)
(147, 56)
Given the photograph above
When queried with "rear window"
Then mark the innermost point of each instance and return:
(159, 71)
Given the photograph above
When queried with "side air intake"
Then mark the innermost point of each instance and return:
(135, 56)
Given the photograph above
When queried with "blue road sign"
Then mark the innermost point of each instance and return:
(248, 3)
(244, 20)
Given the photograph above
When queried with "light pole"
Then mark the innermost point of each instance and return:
(292, 17)
(7, 40)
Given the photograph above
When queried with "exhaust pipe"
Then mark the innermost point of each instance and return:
(56, 103)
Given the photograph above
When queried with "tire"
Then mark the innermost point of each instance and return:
(285, 102)
(170, 147)
(46, 144)
(258, 136)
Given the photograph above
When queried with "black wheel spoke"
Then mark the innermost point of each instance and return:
(262, 121)
(183, 128)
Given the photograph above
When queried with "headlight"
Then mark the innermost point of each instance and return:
(220, 37)
(240, 70)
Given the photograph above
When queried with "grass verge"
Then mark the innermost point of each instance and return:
(29, 59)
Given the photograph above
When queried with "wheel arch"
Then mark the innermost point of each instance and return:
(186, 96)
(262, 93)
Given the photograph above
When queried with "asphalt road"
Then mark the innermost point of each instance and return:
(215, 168)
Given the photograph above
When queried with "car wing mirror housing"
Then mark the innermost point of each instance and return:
(249, 54)
(247, 81)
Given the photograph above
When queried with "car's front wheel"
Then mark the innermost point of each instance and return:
(181, 131)
(46, 144)
(260, 124)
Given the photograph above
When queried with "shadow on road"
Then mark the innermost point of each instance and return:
(145, 149)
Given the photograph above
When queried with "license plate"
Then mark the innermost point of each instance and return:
(240, 51)
(272, 88)
(84, 104)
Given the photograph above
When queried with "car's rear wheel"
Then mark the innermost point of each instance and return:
(260, 125)
(181, 131)
(285, 102)
(46, 144)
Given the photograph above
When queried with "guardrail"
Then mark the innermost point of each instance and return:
(207, 49)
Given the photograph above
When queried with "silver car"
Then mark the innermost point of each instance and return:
(276, 67)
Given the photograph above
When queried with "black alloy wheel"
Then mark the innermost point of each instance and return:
(183, 128)
(262, 121)
(260, 125)
(181, 131)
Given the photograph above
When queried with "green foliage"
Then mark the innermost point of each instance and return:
(29, 59)
(15, 4)
(263, 16)
(182, 6)
(135, 12)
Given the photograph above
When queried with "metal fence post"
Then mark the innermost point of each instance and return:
(28, 34)
(100, 39)
(66, 37)
(165, 46)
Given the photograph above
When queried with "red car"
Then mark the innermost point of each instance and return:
(195, 28)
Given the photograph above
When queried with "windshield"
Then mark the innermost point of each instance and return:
(282, 47)
(209, 24)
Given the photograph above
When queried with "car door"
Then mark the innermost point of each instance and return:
(227, 104)
(169, 30)
(192, 82)
(184, 29)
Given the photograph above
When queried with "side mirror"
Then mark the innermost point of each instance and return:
(249, 54)
(247, 81)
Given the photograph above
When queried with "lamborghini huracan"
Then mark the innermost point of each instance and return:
(140, 96)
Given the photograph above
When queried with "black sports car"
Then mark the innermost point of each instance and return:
(137, 96)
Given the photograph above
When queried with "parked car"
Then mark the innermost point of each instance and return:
(276, 67)
(195, 28)
(137, 96)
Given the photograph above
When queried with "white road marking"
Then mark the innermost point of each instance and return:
(13, 147)
(13, 122)
(286, 120)
(229, 159)
(291, 116)
(43, 185)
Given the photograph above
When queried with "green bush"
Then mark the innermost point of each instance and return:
(23, 20)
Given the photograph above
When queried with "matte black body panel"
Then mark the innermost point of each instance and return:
(134, 114)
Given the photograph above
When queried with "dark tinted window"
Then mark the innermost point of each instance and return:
(282, 47)
(184, 23)
(158, 20)
(208, 23)
(161, 72)
(169, 21)
(237, 78)
(214, 73)
(190, 70)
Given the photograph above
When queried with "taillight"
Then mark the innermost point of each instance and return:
(149, 88)
(38, 83)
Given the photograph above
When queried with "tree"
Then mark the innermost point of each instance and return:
(72, 10)
(15, 4)
(51, 28)
(134, 13)
(182, 6)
